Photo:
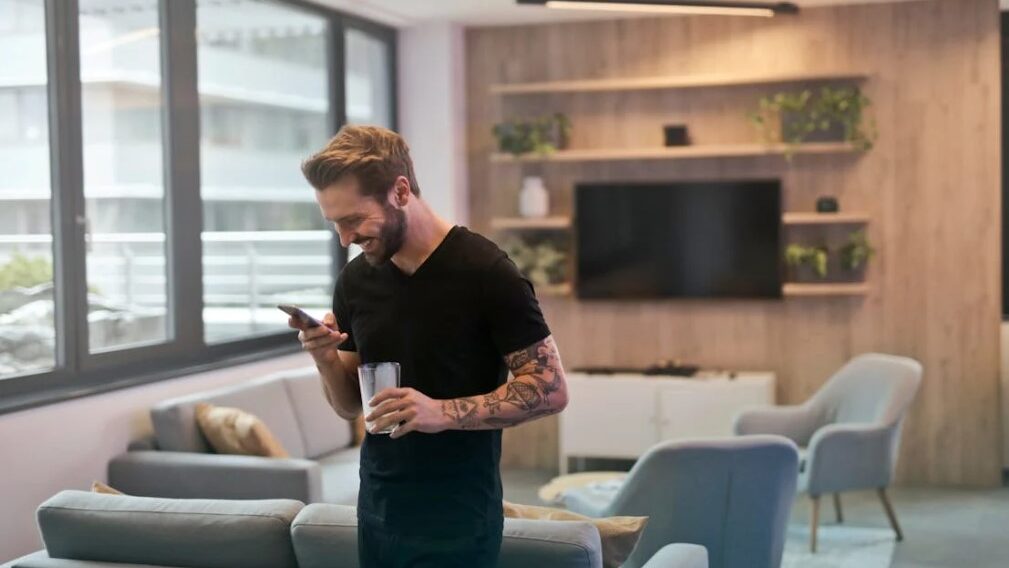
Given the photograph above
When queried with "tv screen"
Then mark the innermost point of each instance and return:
(679, 239)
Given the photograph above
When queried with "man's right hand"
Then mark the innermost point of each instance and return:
(321, 342)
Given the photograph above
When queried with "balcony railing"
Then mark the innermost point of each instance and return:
(245, 273)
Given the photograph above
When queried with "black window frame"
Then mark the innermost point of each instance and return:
(77, 372)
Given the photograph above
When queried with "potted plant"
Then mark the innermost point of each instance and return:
(807, 263)
(856, 252)
(830, 114)
(543, 263)
(541, 135)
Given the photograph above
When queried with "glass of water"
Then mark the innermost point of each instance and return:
(374, 378)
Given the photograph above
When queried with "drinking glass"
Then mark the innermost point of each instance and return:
(374, 378)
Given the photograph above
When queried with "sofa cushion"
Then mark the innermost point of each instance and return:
(322, 429)
(325, 535)
(341, 476)
(204, 533)
(235, 431)
(175, 420)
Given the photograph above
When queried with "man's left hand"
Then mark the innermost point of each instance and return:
(407, 407)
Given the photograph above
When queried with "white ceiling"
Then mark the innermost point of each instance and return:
(404, 13)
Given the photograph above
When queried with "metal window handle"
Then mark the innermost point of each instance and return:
(84, 222)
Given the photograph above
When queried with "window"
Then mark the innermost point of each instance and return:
(123, 173)
(152, 208)
(27, 306)
(369, 79)
(263, 87)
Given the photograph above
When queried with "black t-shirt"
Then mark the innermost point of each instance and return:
(449, 326)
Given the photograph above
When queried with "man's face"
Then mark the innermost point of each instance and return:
(378, 228)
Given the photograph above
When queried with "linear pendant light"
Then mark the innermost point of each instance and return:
(758, 9)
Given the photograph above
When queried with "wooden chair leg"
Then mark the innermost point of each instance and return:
(814, 522)
(837, 508)
(890, 514)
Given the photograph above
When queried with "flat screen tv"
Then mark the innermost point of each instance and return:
(678, 239)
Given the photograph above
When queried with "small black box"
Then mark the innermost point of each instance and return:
(827, 204)
(676, 135)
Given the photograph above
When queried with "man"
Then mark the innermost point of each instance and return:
(452, 309)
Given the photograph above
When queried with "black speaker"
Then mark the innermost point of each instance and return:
(676, 135)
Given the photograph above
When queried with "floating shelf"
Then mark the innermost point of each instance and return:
(825, 289)
(519, 223)
(824, 218)
(676, 153)
(565, 289)
(667, 82)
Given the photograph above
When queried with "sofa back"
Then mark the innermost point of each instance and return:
(197, 533)
(291, 404)
(325, 535)
(90, 529)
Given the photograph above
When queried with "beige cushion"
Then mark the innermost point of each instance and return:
(619, 535)
(99, 487)
(234, 431)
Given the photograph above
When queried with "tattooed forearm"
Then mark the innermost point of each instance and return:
(461, 411)
(537, 390)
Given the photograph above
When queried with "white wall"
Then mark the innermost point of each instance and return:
(68, 444)
(432, 114)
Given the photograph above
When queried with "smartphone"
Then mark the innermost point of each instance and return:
(299, 314)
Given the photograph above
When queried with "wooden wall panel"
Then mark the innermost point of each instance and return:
(931, 186)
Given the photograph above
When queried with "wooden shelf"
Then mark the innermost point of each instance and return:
(675, 153)
(667, 82)
(825, 289)
(520, 223)
(565, 289)
(824, 218)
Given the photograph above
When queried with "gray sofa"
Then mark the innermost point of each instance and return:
(91, 530)
(177, 461)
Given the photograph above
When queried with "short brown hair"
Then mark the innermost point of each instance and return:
(376, 156)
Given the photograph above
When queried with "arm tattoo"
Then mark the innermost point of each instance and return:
(462, 411)
(537, 375)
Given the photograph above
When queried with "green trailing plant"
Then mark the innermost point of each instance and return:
(543, 263)
(23, 272)
(792, 117)
(815, 257)
(856, 252)
(542, 135)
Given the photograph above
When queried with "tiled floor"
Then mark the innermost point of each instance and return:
(943, 528)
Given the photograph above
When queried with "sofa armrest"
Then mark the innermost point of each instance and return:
(849, 456)
(215, 476)
(41, 559)
(797, 423)
(679, 555)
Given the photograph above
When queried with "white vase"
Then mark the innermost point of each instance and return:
(534, 200)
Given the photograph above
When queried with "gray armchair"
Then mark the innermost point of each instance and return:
(850, 430)
(732, 496)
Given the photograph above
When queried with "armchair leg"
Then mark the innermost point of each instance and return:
(814, 521)
(837, 508)
(890, 514)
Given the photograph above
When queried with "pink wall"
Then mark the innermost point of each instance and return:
(68, 444)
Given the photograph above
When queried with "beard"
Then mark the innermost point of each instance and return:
(390, 237)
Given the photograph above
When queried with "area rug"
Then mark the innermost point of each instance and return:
(839, 546)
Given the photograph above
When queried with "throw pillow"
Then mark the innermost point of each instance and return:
(619, 535)
(99, 487)
(234, 431)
